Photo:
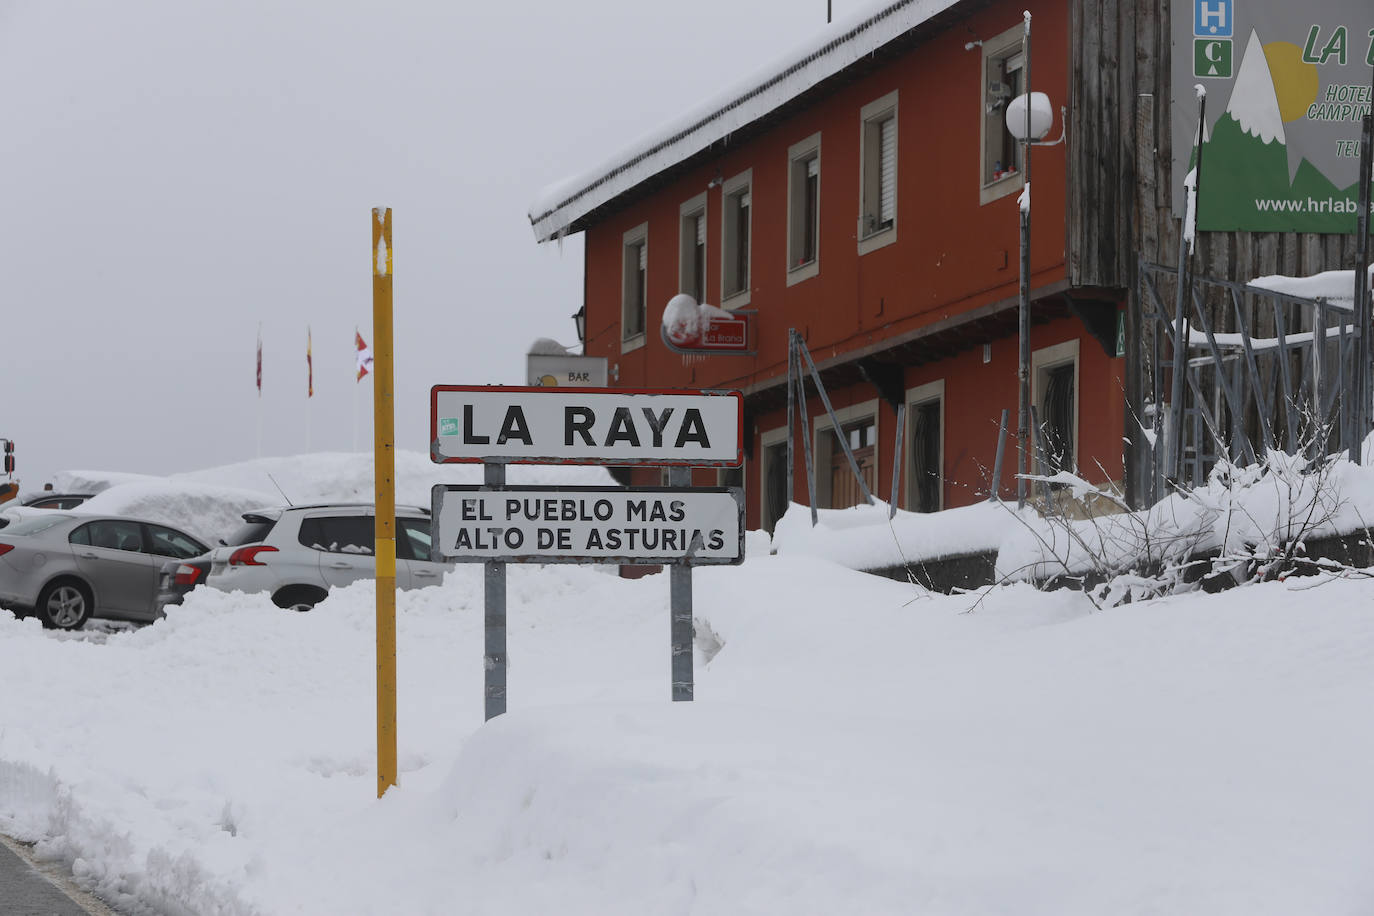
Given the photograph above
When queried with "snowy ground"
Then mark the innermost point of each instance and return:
(856, 747)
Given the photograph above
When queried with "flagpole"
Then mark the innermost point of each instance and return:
(309, 387)
(355, 400)
(259, 389)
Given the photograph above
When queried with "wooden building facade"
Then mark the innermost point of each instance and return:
(867, 196)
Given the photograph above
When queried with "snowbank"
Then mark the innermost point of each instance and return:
(856, 745)
(852, 749)
(863, 537)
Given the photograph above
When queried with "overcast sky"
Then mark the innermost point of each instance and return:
(178, 173)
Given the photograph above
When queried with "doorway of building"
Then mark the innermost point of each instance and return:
(1057, 415)
(927, 481)
(844, 489)
(775, 495)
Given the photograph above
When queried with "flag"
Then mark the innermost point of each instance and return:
(309, 367)
(364, 356)
(259, 360)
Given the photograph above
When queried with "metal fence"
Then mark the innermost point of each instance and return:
(1235, 370)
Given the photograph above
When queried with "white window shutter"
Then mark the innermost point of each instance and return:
(813, 167)
(700, 220)
(643, 256)
(887, 170)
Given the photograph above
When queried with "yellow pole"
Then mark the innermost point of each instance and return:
(384, 457)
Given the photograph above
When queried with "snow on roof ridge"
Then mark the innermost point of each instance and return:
(556, 207)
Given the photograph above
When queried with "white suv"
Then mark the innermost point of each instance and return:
(297, 553)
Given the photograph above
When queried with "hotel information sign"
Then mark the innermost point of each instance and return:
(621, 426)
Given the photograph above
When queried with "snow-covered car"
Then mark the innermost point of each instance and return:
(298, 553)
(178, 578)
(67, 568)
(45, 500)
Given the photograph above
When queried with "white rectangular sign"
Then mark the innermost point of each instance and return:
(513, 524)
(565, 371)
(586, 426)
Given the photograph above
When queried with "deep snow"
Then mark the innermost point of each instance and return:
(856, 746)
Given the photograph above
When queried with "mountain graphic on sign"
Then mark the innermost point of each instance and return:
(1247, 159)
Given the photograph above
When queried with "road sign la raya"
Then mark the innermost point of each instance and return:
(621, 426)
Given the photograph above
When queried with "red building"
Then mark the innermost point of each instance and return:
(866, 195)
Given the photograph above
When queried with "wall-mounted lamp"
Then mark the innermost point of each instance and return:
(579, 318)
(715, 182)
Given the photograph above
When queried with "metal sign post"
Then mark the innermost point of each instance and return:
(494, 615)
(680, 604)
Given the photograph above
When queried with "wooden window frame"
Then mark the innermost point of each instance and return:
(631, 240)
(871, 117)
(798, 155)
(992, 124)
(732, 188)
(688, 213)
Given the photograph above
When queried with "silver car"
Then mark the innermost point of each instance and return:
(67, 569)
(297, 553)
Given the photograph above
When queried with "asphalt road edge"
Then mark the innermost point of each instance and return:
(62, 882)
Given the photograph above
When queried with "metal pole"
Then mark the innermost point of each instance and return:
(1362, 378)
(805, 422)
(680, 609)
(996, 491)
(384, 461)
(792, 375)
(897, 459)
(494, 618)
(1318, 380)
(1185, 251)
(1023, 312)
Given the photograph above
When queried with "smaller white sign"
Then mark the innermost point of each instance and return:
(565, 370)
(589, 524)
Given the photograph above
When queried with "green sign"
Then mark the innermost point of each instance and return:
(1286, 85)
(448, 426)
(1212, 58)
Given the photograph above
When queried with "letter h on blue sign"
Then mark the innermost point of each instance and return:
(1213, 18)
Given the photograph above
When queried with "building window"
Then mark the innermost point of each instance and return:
(925, 442)
(634, 287)
(803, 209)
(878, 174)
(1003, 80)
(1054, 371)
(691, 256)
(736, 198)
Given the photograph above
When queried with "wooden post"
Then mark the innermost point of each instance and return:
(384, 460)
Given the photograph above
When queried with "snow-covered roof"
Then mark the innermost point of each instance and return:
(558, 208)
